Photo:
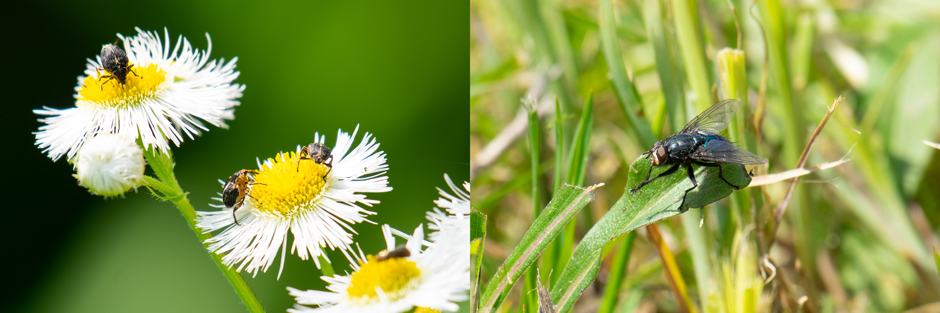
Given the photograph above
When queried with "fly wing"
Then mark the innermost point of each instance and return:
(726, 152)
(714, 119)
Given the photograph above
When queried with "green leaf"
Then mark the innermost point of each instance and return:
(656, 201)
(566, 204)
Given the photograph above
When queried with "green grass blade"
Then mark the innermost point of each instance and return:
(551, 15)
(666, 67)
(565, 205)
(656, 201)
(686, 18)
(530, 300)
(559, 148)
(551, 252)
(580, 148)
(626, 92)
(772, 14)
(477, 238)
(618, 269)
(580, 151)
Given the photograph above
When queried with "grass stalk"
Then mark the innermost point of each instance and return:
(580, 151)
(618, 272)
(629, 101)
(530, 300)
(690, 47)
(666, 66)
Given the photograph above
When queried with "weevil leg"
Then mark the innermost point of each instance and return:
(720, 173)
(647, 181)
(301, 154)
(256, 199)
(694, 185)
(235, 208)
(101, 86)
(132, 71)
(329, 165)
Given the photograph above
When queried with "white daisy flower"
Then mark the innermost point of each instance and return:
(457, 205)
(167, 93)
(316, 202)
(433, 279)
(110, 165)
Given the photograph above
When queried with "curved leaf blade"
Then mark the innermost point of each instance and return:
(656, 201)
(564, 205)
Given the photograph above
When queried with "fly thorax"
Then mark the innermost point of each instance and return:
(680, 146)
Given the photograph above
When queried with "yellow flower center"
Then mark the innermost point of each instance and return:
(284, 189)
(109, 92)
(426, 310)
(393, 275)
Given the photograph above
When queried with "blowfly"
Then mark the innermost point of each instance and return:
(699, 143)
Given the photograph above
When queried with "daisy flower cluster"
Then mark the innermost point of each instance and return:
(134, 100)
(148, 91)
(427, 275)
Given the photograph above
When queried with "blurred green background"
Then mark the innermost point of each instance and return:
(398, 69)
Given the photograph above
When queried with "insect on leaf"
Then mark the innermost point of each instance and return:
(662, 196)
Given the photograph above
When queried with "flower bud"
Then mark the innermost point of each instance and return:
(109, 165)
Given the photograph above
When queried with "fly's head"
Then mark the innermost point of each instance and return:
(658, 154)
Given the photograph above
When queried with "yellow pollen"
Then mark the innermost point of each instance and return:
(111, 93)
(282, 190)
(392, 275)
(421, 309)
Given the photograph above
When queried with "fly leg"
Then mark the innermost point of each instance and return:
(641, 184)
(648, 180)
(694, 184)
(720, 174)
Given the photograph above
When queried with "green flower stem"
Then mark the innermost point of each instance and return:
(325, 266)
(162, 165)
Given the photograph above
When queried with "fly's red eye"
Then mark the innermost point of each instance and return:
(659, 156)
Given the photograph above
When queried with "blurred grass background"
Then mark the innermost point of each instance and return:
(398, 69)
(854, 238)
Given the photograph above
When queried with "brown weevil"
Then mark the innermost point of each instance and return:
(319, 153)
(394, 254)
(114, 62)
(235, 190)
